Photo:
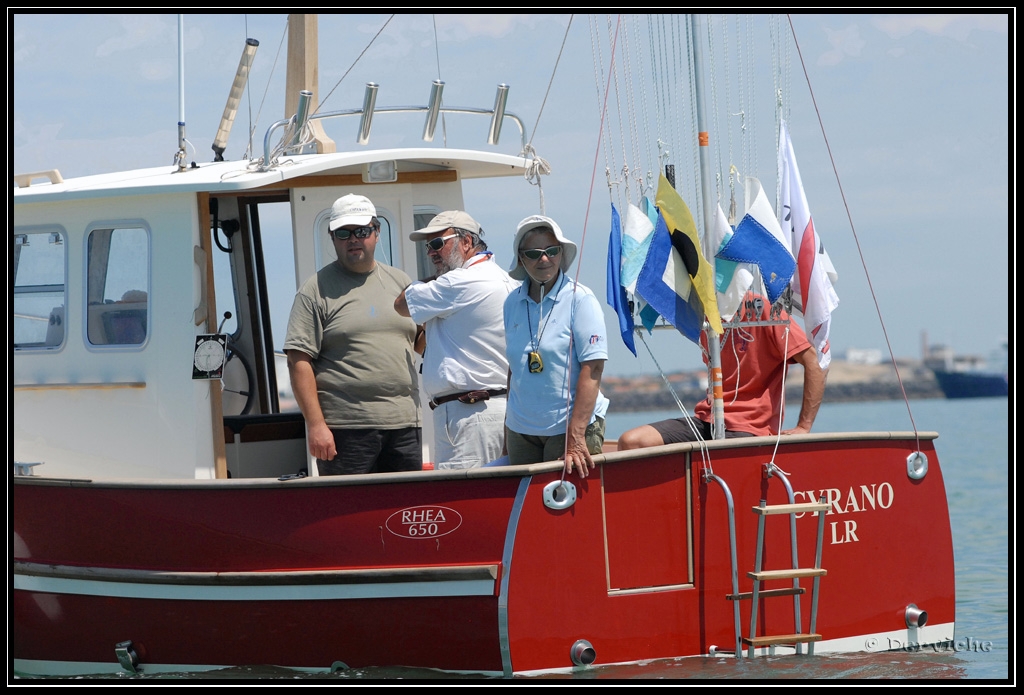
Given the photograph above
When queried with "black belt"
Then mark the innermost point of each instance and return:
(467, 397)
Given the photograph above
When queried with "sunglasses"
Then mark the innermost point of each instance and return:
(358, 233)
(535, 254)
(436, 243)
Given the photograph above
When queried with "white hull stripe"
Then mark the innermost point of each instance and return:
(929, 638)
(893, 640)
(417, 582)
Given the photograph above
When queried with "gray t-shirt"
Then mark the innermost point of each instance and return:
(362, 352)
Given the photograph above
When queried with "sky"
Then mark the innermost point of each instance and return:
(914, 108)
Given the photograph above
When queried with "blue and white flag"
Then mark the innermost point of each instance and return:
(759, 239)
(732, 279)
(616, 292)
(637, 232)
(648, 314)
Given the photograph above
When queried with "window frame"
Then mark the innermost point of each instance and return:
(40, 230)
(114, 225)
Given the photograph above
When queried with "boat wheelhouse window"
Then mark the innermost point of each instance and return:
(421, 216)
(384, 252)
(117, 291)
(40, 288)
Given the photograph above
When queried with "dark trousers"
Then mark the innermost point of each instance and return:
(374, 451)
(677, 430)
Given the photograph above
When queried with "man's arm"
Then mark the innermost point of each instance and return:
(814, 390)
(319, 435)
(401, 305)
(419, 343)
(588, 385)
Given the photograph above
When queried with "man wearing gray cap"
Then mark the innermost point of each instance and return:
(350, 357)
(465, 370)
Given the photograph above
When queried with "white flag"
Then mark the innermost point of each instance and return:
(813, 293)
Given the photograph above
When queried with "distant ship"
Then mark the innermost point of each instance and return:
(972, 384)
(970, 376)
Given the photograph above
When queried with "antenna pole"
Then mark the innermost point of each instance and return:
(180, 157)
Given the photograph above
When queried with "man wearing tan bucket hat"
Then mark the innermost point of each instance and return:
(464, 365)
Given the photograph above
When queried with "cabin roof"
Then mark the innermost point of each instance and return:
(221, 177)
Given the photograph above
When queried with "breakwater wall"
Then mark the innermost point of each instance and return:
(846, 382)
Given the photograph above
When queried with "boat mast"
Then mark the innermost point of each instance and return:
(708, 199)
(304, 75)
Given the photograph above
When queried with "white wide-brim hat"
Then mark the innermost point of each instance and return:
(568, 255)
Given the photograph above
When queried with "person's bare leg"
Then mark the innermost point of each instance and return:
(640, 437)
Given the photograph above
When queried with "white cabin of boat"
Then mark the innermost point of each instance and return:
(103, 386)
(115, 280)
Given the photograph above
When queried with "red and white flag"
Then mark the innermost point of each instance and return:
(813, 293)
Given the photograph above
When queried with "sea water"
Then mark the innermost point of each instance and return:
(973, 447)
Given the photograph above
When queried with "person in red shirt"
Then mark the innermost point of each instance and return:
(753, 358)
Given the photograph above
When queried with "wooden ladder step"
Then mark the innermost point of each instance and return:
(767, 593)
(769, 640)
(792, 508)
(766, 575)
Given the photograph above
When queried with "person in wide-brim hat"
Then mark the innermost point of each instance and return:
(556, 344)
(527, 225)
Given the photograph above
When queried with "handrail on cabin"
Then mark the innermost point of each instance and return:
(389, 109)
(25, 180)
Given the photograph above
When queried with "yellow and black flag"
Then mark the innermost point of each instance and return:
(676, 280)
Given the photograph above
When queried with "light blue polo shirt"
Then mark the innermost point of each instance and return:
(537, 403)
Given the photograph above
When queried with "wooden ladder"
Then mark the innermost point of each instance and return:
(796, 573)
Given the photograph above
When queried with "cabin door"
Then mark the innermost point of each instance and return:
(254, 283)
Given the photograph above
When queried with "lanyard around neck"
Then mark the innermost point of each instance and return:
(484, 256)
(542, 322)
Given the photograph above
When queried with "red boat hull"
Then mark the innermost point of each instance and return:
(472, 571)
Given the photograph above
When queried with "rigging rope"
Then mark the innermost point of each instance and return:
(856, 239)
(705, 454)
(306, 136)
(350, 67)
(586, 218)
(751, 104)
(728, 115)
(614, 73)
(715, 143)
(781, 86)
(604, 139)
(645, 121)
(627, 71)
(539, 167)
(551, 81)
(273, 68)
(660, 99)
